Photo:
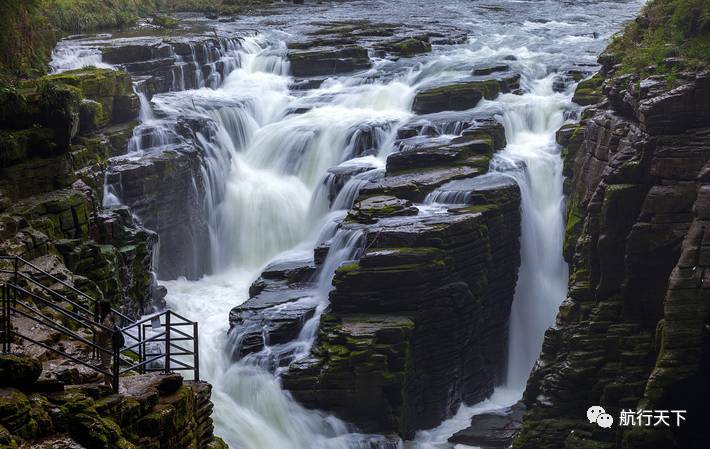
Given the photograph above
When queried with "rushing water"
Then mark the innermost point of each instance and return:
(268, 155)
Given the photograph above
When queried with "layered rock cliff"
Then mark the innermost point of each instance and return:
(633, 332)
(160, 411)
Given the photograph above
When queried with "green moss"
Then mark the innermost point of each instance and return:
(26, 40)
(348, 268)
(589, 91)
(165, 21)
(665, 29)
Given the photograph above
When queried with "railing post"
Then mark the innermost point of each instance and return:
(116, 360)
(16, 263)
(196, 350)
(167, 342)
(141, 369)
(7, 308)
(5, 318)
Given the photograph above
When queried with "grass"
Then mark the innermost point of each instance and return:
(668, 36)
(79, 16)
(29, 29)
(26, 40)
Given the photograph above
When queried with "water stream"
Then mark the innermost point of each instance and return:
(270, 190)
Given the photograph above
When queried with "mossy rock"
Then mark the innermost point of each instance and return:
(165, 22)
(589, 91)
(18, 371)
(91, 116)
(92, 431)
(217, 443)
(111, 88)
(461, 96)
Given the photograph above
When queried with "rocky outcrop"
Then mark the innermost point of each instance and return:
(417, 324)
(494, 430)
(464, 95)
(165, 65)
(328, 60)
(61, 135)
(166, 190)
(159, 410)
(632, 333)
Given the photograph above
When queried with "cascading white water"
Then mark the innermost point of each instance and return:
(69, 57)
(269, 204)
(533, 159)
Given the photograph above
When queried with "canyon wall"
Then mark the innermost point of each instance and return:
(633, 331)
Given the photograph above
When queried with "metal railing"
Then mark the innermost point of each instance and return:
(163, 342)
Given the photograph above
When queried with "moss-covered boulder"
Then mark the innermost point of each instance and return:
(589, 91)
(18, 371)
(408, 46)
(112, 89)
(463, 95)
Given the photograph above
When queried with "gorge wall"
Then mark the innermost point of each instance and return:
(633, 331)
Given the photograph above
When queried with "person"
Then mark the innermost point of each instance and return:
(105, 337)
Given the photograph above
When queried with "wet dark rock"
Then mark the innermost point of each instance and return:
(379, 361)
(328, 60)
(408, 46)
(164, 189)
(278, 307)
(419, 152)
(487, 69)
(131, 53)
(493, 430)
(306, 84)
(456, 97)
(463, 95)
(370, 209)
(414, 186)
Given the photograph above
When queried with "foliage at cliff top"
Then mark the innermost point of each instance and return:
(78, 16)
(29, 28)
(26, 39)
(668, 36)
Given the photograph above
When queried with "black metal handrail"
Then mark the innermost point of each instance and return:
(157, 343)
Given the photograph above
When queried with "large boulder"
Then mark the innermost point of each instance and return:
(160, 189)
(463, 95)
(18, 371)
(328, 60)
(418, 324)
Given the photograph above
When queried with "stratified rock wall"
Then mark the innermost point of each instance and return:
(633, 331)
(419, 324)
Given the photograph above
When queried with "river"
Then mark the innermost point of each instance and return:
(266, 166)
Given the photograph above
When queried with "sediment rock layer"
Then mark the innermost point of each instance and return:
(418, 324)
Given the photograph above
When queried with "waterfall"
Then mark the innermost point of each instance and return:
(277, 195)
(532, 158)
(67, 56)
(280, 168)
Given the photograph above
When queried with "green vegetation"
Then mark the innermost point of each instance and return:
(26, 40)
(78, 16)
(29, 29)
(668, 36)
